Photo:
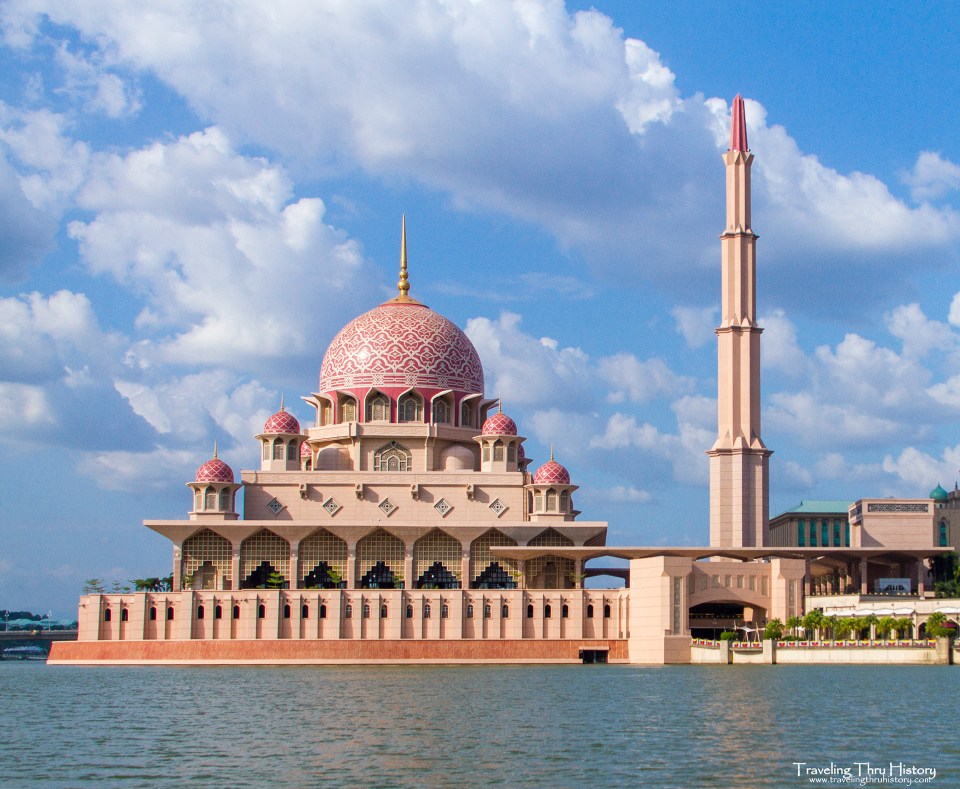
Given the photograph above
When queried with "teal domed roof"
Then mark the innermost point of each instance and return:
(938, 493)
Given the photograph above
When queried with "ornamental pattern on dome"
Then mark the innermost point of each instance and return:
(282, 422)
(552, 473)
(214, 470)
(499, 425)
(401, 345)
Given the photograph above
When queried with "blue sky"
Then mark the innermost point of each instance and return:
(197, 197)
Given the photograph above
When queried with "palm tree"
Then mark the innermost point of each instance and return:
(813, 621)
(903, 626)
(793, 624)
(885, 625)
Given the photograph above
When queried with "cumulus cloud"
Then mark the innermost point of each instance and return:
(696, 324)
(551, 116)
(132, 471)
(922, 471)
(217, 248)
(918, 333)
(932, 177)
(641, 380)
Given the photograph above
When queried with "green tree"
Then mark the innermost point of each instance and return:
(813, 622)
(904, 627)
(275, 580)
(794, 623)
(94, 586)
(936, 626)
(884, 625)
(773, 629)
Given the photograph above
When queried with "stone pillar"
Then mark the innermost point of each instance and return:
(770, 651)
(578, 571)
(409, 581)
(921, 572)
(294, 565)
(652, 610)
(806, 578)
(465, 569)
(863, 576)
(351, 565)
(235, 565)
(177, 565)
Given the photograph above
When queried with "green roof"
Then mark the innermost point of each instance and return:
(825, 506)
(939, 494)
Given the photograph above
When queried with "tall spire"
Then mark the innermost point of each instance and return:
(214, 449)
(404, 284)
(738, 129)
(281, 402)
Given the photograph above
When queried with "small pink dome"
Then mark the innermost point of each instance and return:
(305, 451)
(214, 470)
(521, 453)
(551, 473)
(499, 425)
(282, 422)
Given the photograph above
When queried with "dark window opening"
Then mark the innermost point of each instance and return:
(107, 615)
(261, 611)
(494, 577)
(409, 612)
(379, 577)
(606, 611)
(260, 578)
(218, 612)
(319, 578)
(590, 611)
(348, 612)
(565, 611)
(437, 577)
(304, 611)
(153, 613)
(383, 612)
(200, 612)
(505, 611)
(529, 612)
(170, 614)
(124, 615)
(286, 611)
(236, 612)
(323, 612)
(547, 611)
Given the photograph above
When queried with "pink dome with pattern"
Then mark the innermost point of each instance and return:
(215, 470)
(400, 345)
(499, 425)
(305, 451)
(551, 473)
(521, 453)
(282, 422)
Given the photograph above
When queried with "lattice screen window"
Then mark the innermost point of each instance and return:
(551, 537)
(378, 409)
(392, 457)
(550, 572)
(322, 546)
(437, 546)
(380, 546)
(480, 556)
(410, 409)
(206, 546)
(348, 410)
(441, 412)
(265, 546)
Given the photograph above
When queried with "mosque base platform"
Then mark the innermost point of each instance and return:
(332, 652)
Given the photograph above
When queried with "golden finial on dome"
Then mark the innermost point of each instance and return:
(214, 450)
(403, 286)
(551, 452)
(281, 402)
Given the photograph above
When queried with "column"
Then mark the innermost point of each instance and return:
(863, 576)
(294, 565)
(177, 565)
(352, 564)
(235, 565)
(465, 569)
(409, 581)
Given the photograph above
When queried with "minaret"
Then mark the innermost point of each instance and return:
(739, 488)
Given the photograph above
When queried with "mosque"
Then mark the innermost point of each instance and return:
(406, 523)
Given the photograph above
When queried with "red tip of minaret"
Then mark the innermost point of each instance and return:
(738, 131)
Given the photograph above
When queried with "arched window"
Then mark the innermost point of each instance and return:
(590, 611)
(383, 612)
(218, 612)
(278, 452)
(266, 450)
(170, 614)
(236, 612)
(410, 409)
(304, 611)
(107, 615)
(486, 452)
(547, 611)
(441, 412)
(606, 611)
(348, 611)
(200, 612)
(125, 614)
(426, 610)
(551, 500)
(409, 612)
(469, 610)
(366, 610)
(538, 502)
(512, 453)
(943, 533)
(486, 611)
(564, 500)
(153, 613)
(292, 450)
(224, 503)
(392, 457)
(466, 415)
(286, 611)
(348, 410)
(378, 408)
(323, 611)
(261, 611)
(530, 612)
(565, 611)
(498, 450)
(210, 499)
(504, 611)
(444, 611)
(197, 501)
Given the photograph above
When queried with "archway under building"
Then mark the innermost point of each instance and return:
(709, 620)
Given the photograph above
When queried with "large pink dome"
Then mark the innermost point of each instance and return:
(399, 345)
(552, 473)
(499, 424)
(282, 422)
(214, 470)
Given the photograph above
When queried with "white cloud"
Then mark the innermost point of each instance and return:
(158, 469)
(918, 333)
(696, 324)
(815, 423)
(217, 249)
(780, 350)
(625, 494)
(922, 471)
(23, 407)
(932, 177)
(641, 380)
(97, 88)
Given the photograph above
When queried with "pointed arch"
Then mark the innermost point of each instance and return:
(377, 407)
(488, 571)
(436, 561)
(261, 554)
(207, 547)
(379, 560)
(392, 457)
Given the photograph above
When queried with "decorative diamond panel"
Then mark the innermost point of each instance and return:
(498, 507)
(387, 506)
(275, 506)
(443, 507)
(331, 506)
